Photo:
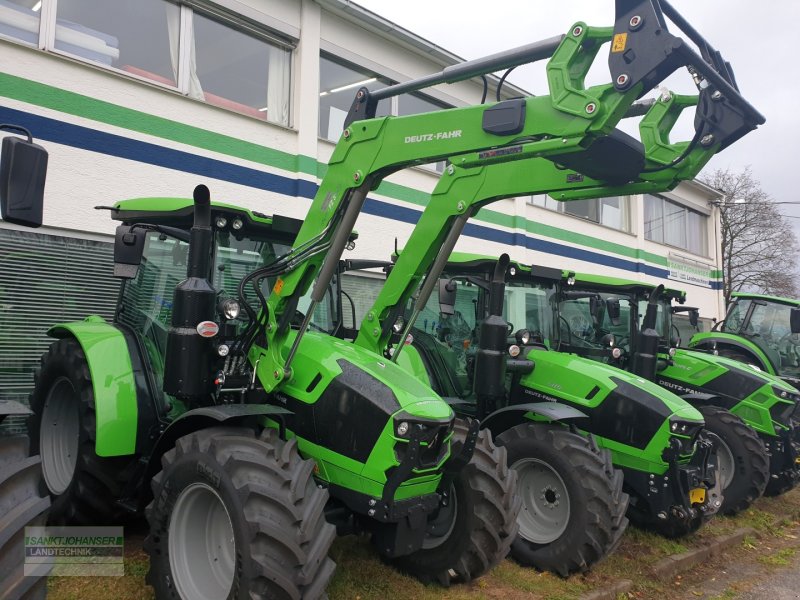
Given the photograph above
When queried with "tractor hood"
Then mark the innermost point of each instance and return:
(731, 382)
(587, 382)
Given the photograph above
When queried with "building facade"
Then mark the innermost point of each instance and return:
(150, 98)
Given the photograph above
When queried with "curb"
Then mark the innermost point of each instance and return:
(667, 568)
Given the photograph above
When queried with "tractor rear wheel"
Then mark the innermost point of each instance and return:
(84, 486)
(573, 506)
(23, 503)
(743, 464)
(237, 516)
(473, 532)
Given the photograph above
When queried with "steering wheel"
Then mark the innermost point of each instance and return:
(581, 324)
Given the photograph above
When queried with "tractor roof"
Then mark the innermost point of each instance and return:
(776, 299)
(627, 285)
(179, 212)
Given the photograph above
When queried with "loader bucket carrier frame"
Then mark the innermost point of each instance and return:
(562, 127)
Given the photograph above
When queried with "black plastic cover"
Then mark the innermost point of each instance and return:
(505, 118)
(128, 249)
(616, 158)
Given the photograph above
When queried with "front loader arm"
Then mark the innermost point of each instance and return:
(462, 191)
(568, 121)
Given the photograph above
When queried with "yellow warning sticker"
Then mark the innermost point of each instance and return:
(620, 40)
(278, 286)
(697, 496)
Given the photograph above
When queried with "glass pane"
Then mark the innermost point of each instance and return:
(544, 201)
(146, 302)
(654, 218)
(674, 224)
(19, 19)
(586, 209)
(138, 37)
(360, 294)
(696, 233)
(338, 84)
(613, 213)
(239, 72)
(735, 317)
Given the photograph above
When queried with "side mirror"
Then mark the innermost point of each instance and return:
(23, 169)
(694, 317)
(613, 310)
(128, 250)
(447, 296)
(794, 320)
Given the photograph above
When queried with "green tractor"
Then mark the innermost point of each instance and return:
(763, 331)
(554, 534)
(214, 400)
(751, 412)
(23, 501)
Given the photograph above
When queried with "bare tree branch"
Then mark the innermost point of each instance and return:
(759, 247)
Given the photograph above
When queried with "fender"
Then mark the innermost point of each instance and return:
(508, 417)
(201, 418)
(705, 341)
(113, 383)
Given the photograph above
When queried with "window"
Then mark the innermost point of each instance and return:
(611, 212)
(19, 19)
(240, 71)
(212, 59)
(668, 222)
(338, 84)
(134, 37)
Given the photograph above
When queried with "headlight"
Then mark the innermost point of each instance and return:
(616, 352)
(523, 337)
(221, 222)
(223, 350)
(229, 308)
(398, 325)
(672, 352)
(514, 350)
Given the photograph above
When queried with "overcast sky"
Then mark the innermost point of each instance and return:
(758, 39)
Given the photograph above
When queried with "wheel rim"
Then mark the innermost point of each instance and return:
(726, 465)
(59, 435)
(440, 527)
(545, 501)
(201, 544)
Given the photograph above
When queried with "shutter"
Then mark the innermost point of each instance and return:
(44, 280)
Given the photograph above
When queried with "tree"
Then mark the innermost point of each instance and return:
(759, 247)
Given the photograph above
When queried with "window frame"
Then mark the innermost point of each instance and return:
(560, 208)
(686, 211)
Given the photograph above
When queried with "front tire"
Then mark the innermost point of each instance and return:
(84, 486)
(481, 519)
(573, 511)
(743, 461)
(237, 516)
(23, 503)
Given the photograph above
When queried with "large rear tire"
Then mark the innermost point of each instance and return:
(742, 459)
(84, 486)
(237, 516)
(23, 503)
(474, 531)
(573, 506)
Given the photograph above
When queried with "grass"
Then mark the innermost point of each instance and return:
(362, 576)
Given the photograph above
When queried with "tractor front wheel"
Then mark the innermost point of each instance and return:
(573, 506)
(237, 516)
(84, 486)
(473, 532)
(743, 464)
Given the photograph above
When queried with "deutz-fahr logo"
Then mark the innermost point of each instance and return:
(429, 137)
